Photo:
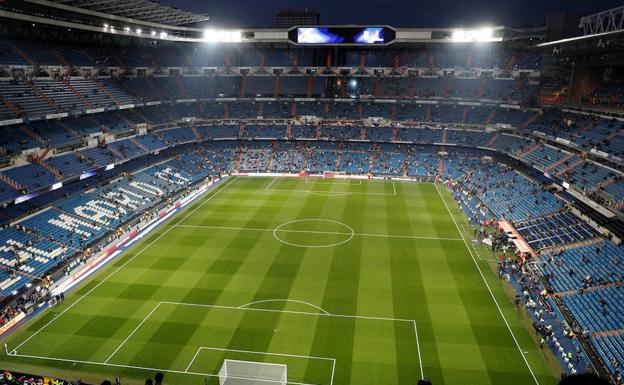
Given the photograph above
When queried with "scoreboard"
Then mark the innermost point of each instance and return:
(342, 35)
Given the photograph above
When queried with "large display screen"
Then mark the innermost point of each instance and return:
(342, 35)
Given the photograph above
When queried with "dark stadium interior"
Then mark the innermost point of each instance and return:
(115, 114)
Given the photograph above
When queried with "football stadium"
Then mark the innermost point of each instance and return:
(308, 204)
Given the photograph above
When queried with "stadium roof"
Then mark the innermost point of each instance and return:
(145, 10)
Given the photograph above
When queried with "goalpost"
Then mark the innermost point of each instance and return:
(235, 372)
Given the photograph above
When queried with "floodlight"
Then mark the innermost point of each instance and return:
(163, 34)
(138, 31)
(153, 33)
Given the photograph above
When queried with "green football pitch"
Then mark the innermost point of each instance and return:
(343, 281)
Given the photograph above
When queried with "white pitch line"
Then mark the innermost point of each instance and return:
(330, 192)
(132, 333)
(120, 267)
(319, 232)
(283, 300)
(320, 182)
(285, 311)
(513, 336)
(422, 371)
(192, 360)
(143, 368)
(270, 184)
(266, 353)
(394, 188)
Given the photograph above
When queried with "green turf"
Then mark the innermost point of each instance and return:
(242, 275)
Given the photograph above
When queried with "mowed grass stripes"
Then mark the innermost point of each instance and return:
(346, 282)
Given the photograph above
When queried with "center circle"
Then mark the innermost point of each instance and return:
(313, 233)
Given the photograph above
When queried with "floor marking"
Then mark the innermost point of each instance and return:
(330, 193)
(394, 188)
(319, 232)
(278, 230)
(283, 300)
(123, 265)
(270, 184)
(513, 336)
(132, 333)
(332, 182)
(140, 368)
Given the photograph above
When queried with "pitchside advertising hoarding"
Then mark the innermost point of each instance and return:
(378, 35)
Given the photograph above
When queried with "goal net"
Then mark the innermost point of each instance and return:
(235, 372)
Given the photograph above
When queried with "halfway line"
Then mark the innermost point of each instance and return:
(318, 232)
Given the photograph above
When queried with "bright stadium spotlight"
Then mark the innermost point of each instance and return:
(139, 31)
(127, 29)
(163, 34)
(105, 26)
(222, 36)
(153, 33)
(485, 34)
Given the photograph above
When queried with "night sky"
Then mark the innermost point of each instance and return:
(400, 13)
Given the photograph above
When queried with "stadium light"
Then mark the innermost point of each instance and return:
(163, 34)
(485, 34)
(222, 36)
(105, 26)
(139, 31)
(153, 33)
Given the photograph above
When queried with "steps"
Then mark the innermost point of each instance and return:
(28, 131)
(440, 168)
(117, 153)
(560, 162)
(139, 144)
(586, 128)
(24, 56)
(43, 96)
(490, 117)
(69, 129)
(337, 164)
(527, 150)
(239, 160)
(9, 104)
(577, 163)
(14, 185)
(363, 133)
(493, 140)
(183, 90)
(60, 57)
(57, 174)
(197, 134)
(606, 183)
(78, 94)
(107, 92)
(531, 120)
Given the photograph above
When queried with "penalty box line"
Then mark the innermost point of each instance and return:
(332, 360)
(239, 308)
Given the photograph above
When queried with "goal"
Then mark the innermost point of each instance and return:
(235, 372)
